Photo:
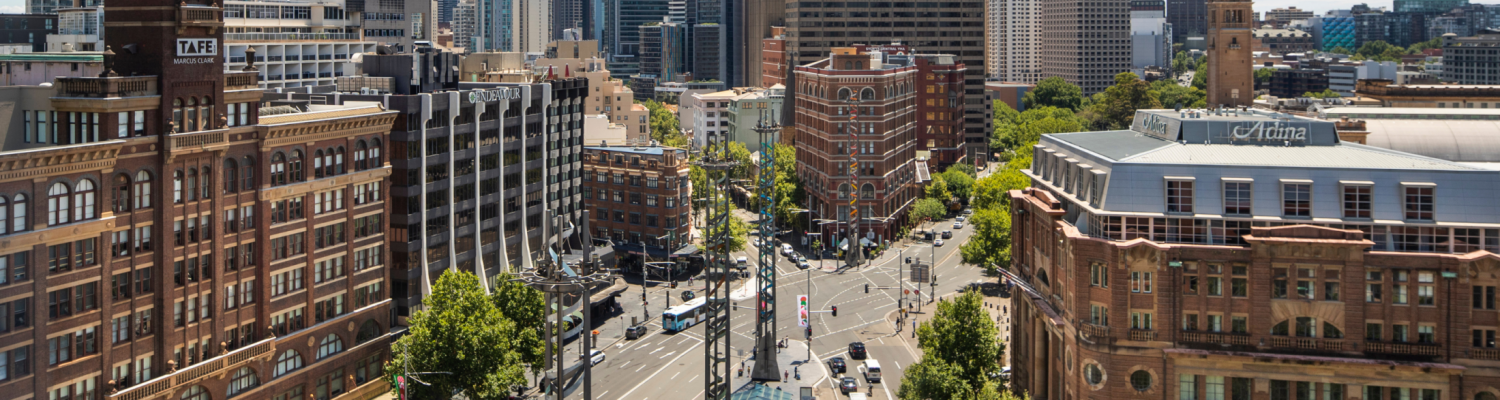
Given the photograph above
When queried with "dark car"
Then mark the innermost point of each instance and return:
(857, 350)
(947, 234)
(688, 295)
(837, 366)
(636, 332)
(848, 384)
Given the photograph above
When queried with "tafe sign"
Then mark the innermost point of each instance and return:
(197, 47)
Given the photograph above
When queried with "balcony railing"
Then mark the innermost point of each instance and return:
(1140, 335)
(124, 86)
(272, 37)
(198, 140)
(241, 80)
(1411, 349)
(1093, 332)
(196, 15)
(1314, 344)
(1484, 354)
(1216, 338)
(192, 374)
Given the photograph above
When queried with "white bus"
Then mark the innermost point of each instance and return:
(683, 316)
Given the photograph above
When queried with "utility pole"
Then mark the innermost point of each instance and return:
(765, 272)
(717, 164)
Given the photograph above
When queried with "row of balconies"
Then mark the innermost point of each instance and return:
(132, 86)
(1098, 333)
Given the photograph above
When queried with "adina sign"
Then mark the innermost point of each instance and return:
(510, 93)
(1268, 131)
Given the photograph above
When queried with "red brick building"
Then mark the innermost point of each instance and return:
(856, 119)
(640, 197)
(940, 111)
(773, 58)
(165, 238)
(1188, 259)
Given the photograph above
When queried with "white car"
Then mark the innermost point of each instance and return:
(958, 225)
(595, 357)
(962, 218)
(786, 249)
(938, 243)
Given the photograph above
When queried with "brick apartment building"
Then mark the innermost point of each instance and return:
(855, 107)
(165, 238)
(640, 197)
(1250, 256)
(940, 97)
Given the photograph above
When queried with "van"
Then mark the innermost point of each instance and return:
(741, 263)
(872, 370)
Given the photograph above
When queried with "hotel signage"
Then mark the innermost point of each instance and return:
(509, 93)
(1268, 131)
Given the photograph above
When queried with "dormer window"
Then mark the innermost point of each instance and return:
(1180, 195)
(1296, 198)
(1417, 200)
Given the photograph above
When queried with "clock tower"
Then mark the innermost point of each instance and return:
(1230, 76)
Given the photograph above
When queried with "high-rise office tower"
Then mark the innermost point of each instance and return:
(1086, 43)
(1434, 6)
(1187, 18)
(622, 34)
(1014, 39)
(396, 23)
(1150, 34)
(446, 9)
(465, 23)
(758, 16)
(513, 25)
(1229, 59)
(566, 14)
(661, 50)
(815, 28)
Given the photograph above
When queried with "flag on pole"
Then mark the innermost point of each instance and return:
(802, 310)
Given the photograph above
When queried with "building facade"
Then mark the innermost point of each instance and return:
(1391, 94)
(1016, 41)
(30, 28)
(1293, 266)
(773, 58)
(302, 42)
(167, 225)
(1188, 17)
(856, 141)
(78, 29)
(1230, 77)
(639, 196)
(747, 110)
(1472, 60)
(1293, 83)
(1086, 44)
(662, 50)
(1288, 14)
(1282, 41)
(1150, 35)
(940, 84)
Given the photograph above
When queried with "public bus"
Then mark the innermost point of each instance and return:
(683, 316)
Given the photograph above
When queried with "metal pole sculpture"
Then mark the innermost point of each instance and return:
(717, 165)
(765, 273)
(853, 258)
(557, 279)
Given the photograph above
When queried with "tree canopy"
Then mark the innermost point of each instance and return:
(960, 349)
(1325, 94)
(788, 193)
(461, 330)
(928, 209)
(1170, 94)
(937, 189)
(664, 125)
(1054, 92)
(960, 184)
(1129, 93)
(738, 231)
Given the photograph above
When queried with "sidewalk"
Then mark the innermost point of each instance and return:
(997, 307)
(792, 361)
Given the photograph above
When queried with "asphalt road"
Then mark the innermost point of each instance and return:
(670, 365)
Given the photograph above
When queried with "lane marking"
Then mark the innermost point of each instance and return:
(695, 377)
(657, 349)
(643, 366)
(627, 362)
(658, 371)
(674, 376)
(665, 355)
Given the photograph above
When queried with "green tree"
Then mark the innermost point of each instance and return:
(1171, 95)
(664, 125)
(937, 189)
(741, 157)
(1340, 50)
(462, 332)
(1055, 92)
(1128, 94)
(1434, 43)
(1200, 76)
(702, 188)
(524, 306)
(1263, 76)
(738, 232)
(1325, 94)
(928, 209)
(959, 183)
(989, 192)
(1182, 62)
(932, 378)
(960, 348)
(990, 245)
(788, 193)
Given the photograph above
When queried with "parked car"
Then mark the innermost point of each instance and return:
(688, 295)
(938, 243)
(968, 211)
(857, 350)
(803, 264)
(947, 234)
(786, 249)
(637, 332)
(958, 225)
(848, 384)
(836, 365)
(595, 357)
(962, 219)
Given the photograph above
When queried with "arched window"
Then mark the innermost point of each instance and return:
(278, 169)
(83, 200)
(338, 161)
(206, 111)
(867, 191)
(248, 180)
(192, 184)
(318, 164)
(359, 155)
(844, 94)
(375, 153)
(331, 345)
(867, 94)
(288, 361)
(244, 379)
(121, 195)
(142, 190)
(207, 183)
(57, 204)
(294, 166)
(177, 187)
(4, 214)
(196, 393)
(1484, 396)
(18, 214)
(191, 120)
(231, 176)
(368, 331)
(177, 115)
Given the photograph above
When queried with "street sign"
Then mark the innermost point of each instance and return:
(921, 273)
(802, 310)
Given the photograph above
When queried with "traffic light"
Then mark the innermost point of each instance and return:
(674, 284)
(908, 260)
(867, 288)
(809, 332)
(835, 311)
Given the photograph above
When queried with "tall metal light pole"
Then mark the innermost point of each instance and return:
(717, 164)
(765, 272)
(549, 278)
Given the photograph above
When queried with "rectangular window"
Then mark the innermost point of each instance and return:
(1140, 320)
(1215, 286)
(1398, 333)
(1239, 285)
(1190, 322)
(1484, 338)
(1483, 298)
(1099, 315)
(1237, 198)
(1214, 388)
(122, 123)
(1215, 323)
(1296, 199)
(1098, 274)
(1374, 332)
(1375, 282)
(139, 122)
(1418, 202)
(1357, 201)
(1179, 196)
(1239, 324)
(1426, 334)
